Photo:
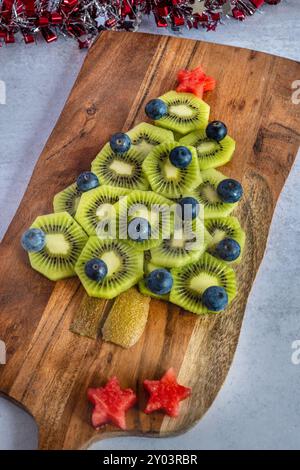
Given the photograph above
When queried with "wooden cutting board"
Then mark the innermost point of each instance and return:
(49, 368)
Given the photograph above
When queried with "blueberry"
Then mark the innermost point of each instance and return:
(230, 190)
(156, 109)
(180, 157)
(190, 207)
(216, 130)
(159, 281)
(215, 298)
(33, 240)
(86, 181)
(228, 249)
(139, 229)
(120, 142)
(95, 269)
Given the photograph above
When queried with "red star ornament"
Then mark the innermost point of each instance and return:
(166, 394)
(110, 403)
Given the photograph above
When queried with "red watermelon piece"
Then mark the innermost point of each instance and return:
(166, 394)
(194, 81)
(110, 403)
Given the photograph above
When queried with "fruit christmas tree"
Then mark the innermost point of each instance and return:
(130, 221)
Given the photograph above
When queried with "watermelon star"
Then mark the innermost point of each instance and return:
(165, 394)
(110, 403)
(194, 81)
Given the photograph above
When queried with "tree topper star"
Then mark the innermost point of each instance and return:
(194, 81)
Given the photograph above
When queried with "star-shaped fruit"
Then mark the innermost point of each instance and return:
(110, 403)
(194, 81)
(166, 394)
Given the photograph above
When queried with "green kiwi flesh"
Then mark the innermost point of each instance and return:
(211, 153)
(150, 206)
(122, 170)
(165, 178)
(96, 205)
(206, 194)
(185, 114)
(124, 263)
(65, 240)
(225, 227)
(144, 137)
(190, 281)
(67, 200)
(185, 246)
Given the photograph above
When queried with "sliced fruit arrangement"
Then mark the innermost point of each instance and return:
(225, 231)
(142, 183)
(172, 169)
(54, 243)
(108, 267)
(144, 137)
(68, 199)
(120, 169)
(97, 205)
(144, 219)
(179, 112)
(191, 283)
(213, 148)
(185, 245)
(209, 196)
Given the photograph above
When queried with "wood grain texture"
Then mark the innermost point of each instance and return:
(49, 368)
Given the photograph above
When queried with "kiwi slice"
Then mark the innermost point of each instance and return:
(65, 240)
(144, 137)
(211, 153)
(95, 205)
(165, 178)
(149, 266)
(150, 206)
(190, 281)
(124, 264)
(186, 112)
(206, 194)
(67, 200)
(122, 170)
(185, 246)
(225, 227)
(127, 318)
(147, 260)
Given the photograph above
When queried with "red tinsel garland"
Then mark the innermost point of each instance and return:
(83, 19)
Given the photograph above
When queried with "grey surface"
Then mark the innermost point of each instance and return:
(258, 406)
